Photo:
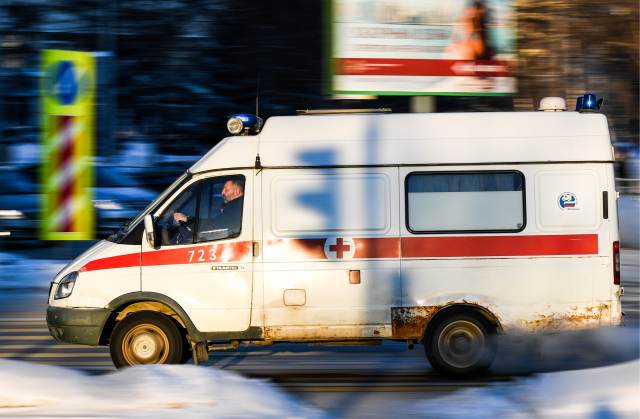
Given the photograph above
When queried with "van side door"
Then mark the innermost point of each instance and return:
(331, 252)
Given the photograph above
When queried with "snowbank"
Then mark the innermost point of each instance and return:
(599, 393)
(153, 391)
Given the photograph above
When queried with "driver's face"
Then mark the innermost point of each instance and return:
(230, 191)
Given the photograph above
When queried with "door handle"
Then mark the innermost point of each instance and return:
(354, 277)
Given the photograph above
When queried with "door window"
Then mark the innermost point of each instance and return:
(206, 211)
(220, 209)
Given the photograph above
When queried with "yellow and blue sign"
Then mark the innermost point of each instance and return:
(67, 130)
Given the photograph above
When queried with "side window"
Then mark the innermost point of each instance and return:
(207, 210)
(441, 202)
(176, 223)
(220, 209)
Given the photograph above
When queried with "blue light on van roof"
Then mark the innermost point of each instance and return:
(588, 103)
(243, 124)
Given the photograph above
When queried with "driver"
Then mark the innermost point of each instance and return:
(225, 224)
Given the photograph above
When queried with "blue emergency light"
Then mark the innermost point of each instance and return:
(243, 124)
(588, 103)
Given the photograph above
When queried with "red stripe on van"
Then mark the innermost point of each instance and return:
(113, 262)
(366, 248)
(294, 249)
(474, 246)
(374, 248)
(309, 249)
(215, 253)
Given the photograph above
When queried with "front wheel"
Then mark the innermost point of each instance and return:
(462, 344)
(146, 337)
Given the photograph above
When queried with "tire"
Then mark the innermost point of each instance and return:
(462, 344)
(146, 337)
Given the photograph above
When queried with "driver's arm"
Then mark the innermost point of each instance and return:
(179, 217)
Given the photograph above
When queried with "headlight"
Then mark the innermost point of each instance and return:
(65, 286)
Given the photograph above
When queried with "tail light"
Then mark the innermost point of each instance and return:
(616, 263)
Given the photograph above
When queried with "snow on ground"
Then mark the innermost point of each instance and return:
(150, 391)
(32, 390)
(606, 387)
(19, 272)
(580, 374)
(598, 393)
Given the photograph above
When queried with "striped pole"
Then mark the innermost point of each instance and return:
(67, 153)
(64, 202)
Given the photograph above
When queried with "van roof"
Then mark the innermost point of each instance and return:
(418, 139)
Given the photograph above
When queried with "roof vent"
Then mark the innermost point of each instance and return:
(552, 104)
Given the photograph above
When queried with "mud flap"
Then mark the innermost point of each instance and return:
(199, 352)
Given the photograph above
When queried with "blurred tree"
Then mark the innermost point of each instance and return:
(568, 48)
(184, 65)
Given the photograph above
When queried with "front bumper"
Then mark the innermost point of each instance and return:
(77, 325)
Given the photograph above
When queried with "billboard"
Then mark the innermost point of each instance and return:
(422, 47)
(67, 131)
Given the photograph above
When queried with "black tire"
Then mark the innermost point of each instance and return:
(462, 344)
(146, 337)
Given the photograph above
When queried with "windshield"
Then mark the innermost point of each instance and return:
(128, 226)
(160, 198)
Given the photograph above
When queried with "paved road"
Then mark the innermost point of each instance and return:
(345, 381)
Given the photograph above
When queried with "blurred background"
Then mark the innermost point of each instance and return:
(167, 73)
(103, 103)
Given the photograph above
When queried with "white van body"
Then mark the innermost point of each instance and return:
(368, 226)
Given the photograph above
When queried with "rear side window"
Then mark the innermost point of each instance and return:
(449, 202)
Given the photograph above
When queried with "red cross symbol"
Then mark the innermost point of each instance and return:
(339, 248)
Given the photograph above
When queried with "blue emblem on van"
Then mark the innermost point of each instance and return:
(567, 200)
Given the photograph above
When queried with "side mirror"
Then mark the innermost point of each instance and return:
(148, 228)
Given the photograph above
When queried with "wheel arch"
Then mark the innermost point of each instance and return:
(148, 301)
(461, 308)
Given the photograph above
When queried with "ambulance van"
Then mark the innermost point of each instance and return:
(444, 229)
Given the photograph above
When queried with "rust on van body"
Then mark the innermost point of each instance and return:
(576, 318)
(410, 322)
(325, 333)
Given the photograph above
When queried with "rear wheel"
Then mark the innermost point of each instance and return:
(146, 337)
(461, 344)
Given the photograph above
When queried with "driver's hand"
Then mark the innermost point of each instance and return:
(179, 217)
